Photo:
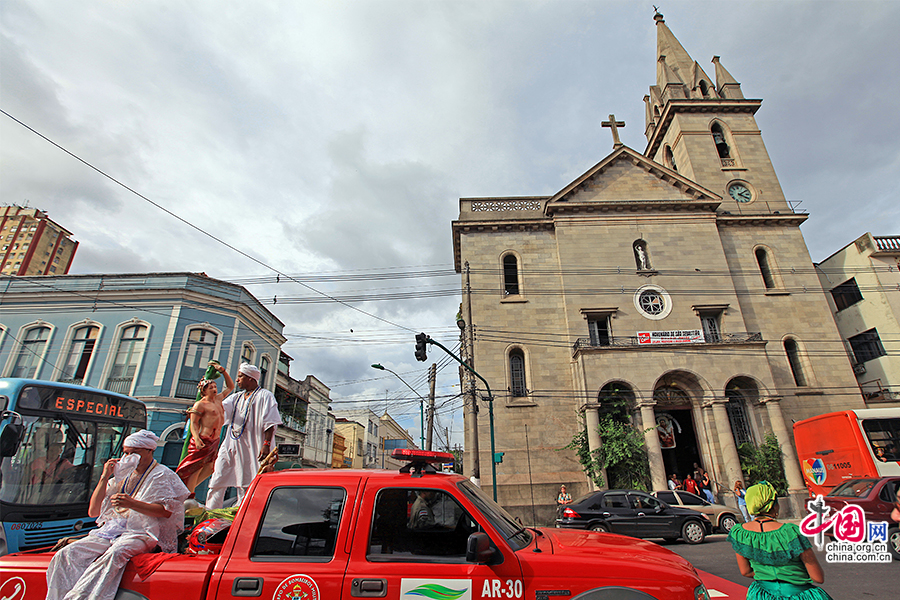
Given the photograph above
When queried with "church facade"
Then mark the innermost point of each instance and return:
(675, 277)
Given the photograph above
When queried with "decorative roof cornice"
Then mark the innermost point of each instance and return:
(763, 219)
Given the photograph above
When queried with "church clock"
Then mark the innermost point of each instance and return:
(740, 192)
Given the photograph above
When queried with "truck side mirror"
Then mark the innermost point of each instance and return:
(478, 548)
(10, 438)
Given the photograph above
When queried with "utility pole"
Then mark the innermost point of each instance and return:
(471, 464)
(432, 377)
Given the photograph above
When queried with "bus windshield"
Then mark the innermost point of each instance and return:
(62, 451)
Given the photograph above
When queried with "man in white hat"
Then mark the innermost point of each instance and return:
(251, 416)
(139, 504)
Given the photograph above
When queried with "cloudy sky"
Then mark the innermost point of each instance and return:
(332, 140)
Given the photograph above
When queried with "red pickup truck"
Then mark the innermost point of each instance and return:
(412, 534)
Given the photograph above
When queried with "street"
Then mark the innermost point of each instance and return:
(842, 581)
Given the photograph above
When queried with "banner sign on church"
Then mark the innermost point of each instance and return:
(687, 336)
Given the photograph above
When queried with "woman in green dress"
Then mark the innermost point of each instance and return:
(776, 555)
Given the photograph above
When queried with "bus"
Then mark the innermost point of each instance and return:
(849, 444)
(54, 439)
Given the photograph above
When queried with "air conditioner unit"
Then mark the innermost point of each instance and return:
(859, 369)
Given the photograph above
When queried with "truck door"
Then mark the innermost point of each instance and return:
(293, 546)
(411, 543)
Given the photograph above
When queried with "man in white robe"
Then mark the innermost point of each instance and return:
(139, 504)
(251, 416)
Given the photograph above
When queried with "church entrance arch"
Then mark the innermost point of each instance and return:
(675, 427)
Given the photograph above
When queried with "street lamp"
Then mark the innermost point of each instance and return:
(421, 399)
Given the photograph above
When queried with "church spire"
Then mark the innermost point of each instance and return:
(726, 85)
(676, 57)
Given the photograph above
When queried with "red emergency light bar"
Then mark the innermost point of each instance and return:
(422, 455)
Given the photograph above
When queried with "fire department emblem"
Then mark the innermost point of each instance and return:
(297, 587)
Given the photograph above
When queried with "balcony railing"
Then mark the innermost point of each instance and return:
(186, 389)
(728, 162)
(631, 341)
(120, 385)
(888, 244)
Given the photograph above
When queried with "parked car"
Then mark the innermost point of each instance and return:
(634, 513)
(876, 497)
(723, 517)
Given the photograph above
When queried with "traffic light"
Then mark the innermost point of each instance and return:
(421, 341)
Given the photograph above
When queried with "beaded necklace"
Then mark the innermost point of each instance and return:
(249, 402)
(124, 490)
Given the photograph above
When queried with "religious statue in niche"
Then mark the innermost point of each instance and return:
(641, 256)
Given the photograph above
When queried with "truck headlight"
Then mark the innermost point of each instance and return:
(700, 593)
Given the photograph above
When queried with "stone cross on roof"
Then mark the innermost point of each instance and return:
(614, 125)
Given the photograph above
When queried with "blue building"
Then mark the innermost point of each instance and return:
(147, 335)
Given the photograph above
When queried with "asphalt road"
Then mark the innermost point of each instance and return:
(842, 580)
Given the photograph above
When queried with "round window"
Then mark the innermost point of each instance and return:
(653, 302)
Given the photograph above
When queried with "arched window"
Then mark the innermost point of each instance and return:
(264, 365)
(617, 401)
(762, 259)
(704, 88)
(201, 346)
(80, 352)
(670, 158)
(510, 275)
(792, 349)
(247, 353)
(737, 393)
(641, 255)
(127, 359)
(31, 353)
(719, 140)
(517, 374)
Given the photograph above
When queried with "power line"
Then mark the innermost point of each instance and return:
(199, 229)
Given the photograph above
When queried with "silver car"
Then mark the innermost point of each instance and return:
(722, 517)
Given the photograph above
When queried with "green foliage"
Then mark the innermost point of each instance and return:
(764, 463)
(579, 444)
(457, 460)
(622, 454)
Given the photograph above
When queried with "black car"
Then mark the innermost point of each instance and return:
(634, 513)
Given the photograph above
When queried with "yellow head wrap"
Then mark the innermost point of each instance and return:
(760, 498)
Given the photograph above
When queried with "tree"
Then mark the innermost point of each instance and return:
(622, 454)
(764, 463)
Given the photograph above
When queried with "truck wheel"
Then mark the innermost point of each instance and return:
(893, 542)
(600, 527)
(692, 532)
(727, 522)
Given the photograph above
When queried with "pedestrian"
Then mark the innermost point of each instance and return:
(251, 416)
(741, 494)
(139, 505)
(690, 485)
(207, 418)
(673, 482)
(564, 497)
(706, 486)
(776, 555)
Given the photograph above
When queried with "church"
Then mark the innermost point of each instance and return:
(675, 277)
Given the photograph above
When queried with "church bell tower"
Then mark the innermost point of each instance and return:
(707, 131)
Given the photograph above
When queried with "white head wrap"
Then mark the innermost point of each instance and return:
(144, 439)
(250, 371)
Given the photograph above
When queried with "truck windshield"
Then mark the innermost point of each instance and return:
(59, 460)
(516, 535)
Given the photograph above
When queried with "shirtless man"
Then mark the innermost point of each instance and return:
(207, 418)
